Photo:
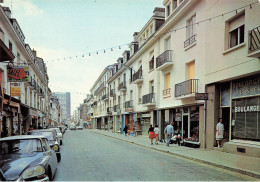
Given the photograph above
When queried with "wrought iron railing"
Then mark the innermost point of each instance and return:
(254, 37)
(164, 58)
(102, 85)
(122, 85)
(190, 41)
(138, 75)
(129, 104)
(149, 98)
(187, 87)
(167, 92)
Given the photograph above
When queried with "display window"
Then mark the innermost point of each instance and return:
(245, 123)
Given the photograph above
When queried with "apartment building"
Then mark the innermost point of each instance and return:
(186, 50)
(65, 105)
(23, 96)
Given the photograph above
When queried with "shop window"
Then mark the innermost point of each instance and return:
(194, 124)
(246, 119)
(225, 95)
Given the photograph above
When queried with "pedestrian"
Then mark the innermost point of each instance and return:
(125, 130)
(151, 133)
(156, 133)
(219, 132)
(169, 130)
(31, 128)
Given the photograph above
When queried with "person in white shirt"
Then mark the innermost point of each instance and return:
(156, 133)
(219, 132)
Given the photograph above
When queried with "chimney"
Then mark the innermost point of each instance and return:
(135, 36)
(159, 12)
(134, 45)
(34, 53)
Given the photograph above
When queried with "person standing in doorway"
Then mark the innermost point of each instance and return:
(169, 130)
(219, 132)
(125, 130)
(156, 133)
(151, 133)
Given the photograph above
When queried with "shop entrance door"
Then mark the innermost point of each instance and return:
(185, 126)
(226, 122)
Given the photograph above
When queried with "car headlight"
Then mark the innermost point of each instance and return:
(55, 148)
(33, 172)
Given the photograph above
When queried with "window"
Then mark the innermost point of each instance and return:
(10, 46)
(151, 64)
(167, 44)
(140, 94)
(190, 30)
(168, 10)
(236, 31)
(191, 70)
(167, 87)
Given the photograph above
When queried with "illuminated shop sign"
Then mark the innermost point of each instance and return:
(247, 109)
(246, 87)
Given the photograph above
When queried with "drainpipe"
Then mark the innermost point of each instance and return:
(205, 115)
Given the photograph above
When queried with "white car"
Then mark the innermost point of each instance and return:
(58, 132)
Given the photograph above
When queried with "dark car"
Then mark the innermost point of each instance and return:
(26, 158)
(53, 139)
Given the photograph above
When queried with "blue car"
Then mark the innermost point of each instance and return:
(26, 158)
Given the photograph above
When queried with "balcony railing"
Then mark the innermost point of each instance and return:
(129, 104)
(190, 41)
(149, 98)
(254, 40)
(104, 97)
(102, 85)
(164, 59)
(167, 92)
(116, 107)
(138, 75)
(186, 88)
(112, 93)
(122, 86)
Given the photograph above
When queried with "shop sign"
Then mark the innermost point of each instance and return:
(129, 110)
(249, 86)
(201, 96)
(255, 108)
(18, 74)
(15, 89)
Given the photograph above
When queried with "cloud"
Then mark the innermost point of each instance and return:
(25, 6)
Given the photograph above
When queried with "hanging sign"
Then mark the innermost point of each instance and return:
(15, 89)
(18, 74)
(201, 96)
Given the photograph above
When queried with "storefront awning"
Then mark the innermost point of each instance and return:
(5, 53)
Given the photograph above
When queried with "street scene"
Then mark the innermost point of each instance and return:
(120, 90)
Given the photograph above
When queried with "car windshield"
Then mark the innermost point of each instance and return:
(20, 146)
(47, 134)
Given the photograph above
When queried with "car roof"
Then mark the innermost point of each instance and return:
(22, 137)
(42, 130)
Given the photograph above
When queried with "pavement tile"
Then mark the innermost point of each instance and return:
(233, 162)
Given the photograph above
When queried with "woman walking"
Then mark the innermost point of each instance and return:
(156, 132)
(151, 133)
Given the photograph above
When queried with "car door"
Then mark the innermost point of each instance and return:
(53, 159)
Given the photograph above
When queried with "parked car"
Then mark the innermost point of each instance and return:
(72, 127)
(26, 158)
(58, 132)
(79, 128)
(52, 137)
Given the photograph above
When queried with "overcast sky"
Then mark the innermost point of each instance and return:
(59, 29)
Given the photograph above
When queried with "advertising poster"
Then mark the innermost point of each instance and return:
(15, 89)
(18, 74)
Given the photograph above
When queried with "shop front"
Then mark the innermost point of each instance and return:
(34, 118)
(244, 126)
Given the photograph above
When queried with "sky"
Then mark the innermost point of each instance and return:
(69, 29)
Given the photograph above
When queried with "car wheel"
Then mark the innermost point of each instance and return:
(49, 173)
(58, 157)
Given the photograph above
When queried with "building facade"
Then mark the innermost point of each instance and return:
(186, 50)
(65, 104)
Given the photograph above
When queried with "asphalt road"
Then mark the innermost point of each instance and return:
(88, 156)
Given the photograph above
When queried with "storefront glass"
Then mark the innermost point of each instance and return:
(194, 124)
(246, 119)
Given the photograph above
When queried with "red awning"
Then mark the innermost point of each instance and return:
(5, 53)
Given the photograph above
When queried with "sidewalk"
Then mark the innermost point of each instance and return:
(233, 162)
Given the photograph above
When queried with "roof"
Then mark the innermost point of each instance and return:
(22, 137)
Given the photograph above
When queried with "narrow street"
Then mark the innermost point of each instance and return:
(88, 156)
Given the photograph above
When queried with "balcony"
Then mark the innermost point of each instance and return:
(100, 88)
(109, 110)
(164, 60)
(104, 97)
(117, 108)
(129, 104)
(112, 93)
(167, 92)
(138, 77)
(254, 42)
(186, 89)
(149, 100)
(122, 87)
(191, 41)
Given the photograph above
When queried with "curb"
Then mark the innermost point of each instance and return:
(248, 173)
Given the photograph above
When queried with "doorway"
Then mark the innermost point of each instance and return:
(226, 123)
(185, 126)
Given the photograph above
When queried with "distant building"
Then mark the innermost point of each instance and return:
(65, 105)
